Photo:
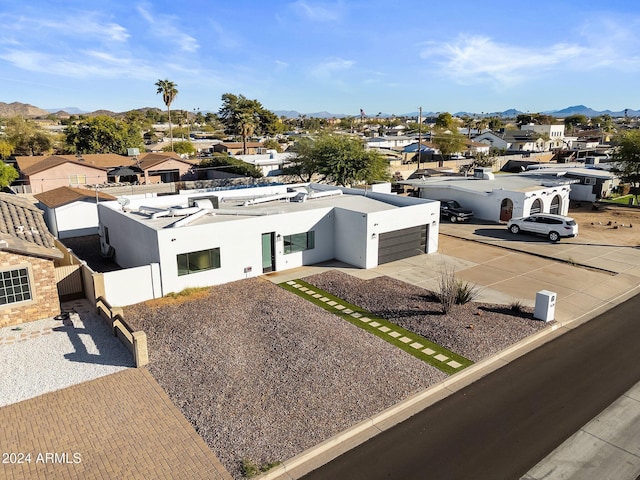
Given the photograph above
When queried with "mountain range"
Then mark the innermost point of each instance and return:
(29, 111)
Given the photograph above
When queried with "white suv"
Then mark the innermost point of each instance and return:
(552, 226)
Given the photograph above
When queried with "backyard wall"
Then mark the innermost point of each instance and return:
(132, 285)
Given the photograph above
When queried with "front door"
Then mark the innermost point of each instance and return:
(268, 253)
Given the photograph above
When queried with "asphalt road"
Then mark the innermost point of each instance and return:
(502, 425)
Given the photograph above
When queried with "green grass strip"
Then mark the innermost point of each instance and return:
(416, 351)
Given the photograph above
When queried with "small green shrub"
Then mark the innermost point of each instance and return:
(452, 291)
(252, 469)
(516, 306)
(465, 292)
(186, 292)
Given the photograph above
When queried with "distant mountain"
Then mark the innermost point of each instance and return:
(589, 112)
(69, 110)
(24, 109)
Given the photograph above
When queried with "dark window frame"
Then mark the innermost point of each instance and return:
(15, 286)
(191, 262)
(299, 242)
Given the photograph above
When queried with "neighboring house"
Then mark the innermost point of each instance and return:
(524, 140)
(555, 134)
(237, 148)
(270, 163)
(71, 212)
(395, 141)
(493, 140)
(165, 167)
(208, 238)
(500, 197)
(46, 172)
(474, 147)
(28, 289)
(591, 183)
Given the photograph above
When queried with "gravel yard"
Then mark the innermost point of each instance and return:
(263, 374)
(474, 330)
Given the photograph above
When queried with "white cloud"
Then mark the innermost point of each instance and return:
(164, 26)
(328, 68)
(319, 12)
(473, 59)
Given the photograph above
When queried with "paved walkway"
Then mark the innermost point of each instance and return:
(47, 355)
(414, 344)
(120, 426)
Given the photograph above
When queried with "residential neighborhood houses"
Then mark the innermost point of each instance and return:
(119, 229)
(146, 206)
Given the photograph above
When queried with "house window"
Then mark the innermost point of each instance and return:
(193, 262)
(299, 242)
(14, 286)
(77, 179)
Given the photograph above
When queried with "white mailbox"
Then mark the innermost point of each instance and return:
(545, 308)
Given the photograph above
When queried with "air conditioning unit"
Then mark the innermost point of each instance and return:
(589, 181)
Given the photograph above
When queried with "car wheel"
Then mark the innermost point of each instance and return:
(453, 219)
(554, 236)
(514, 229)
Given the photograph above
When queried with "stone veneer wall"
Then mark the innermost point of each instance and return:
(44, 291)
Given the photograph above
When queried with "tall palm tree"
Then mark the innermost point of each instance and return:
(169, 91)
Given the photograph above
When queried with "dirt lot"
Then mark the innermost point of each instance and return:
(615, 225)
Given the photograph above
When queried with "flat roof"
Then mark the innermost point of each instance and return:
(518, 182)
(231, 209)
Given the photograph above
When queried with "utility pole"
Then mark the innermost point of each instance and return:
(419, 135)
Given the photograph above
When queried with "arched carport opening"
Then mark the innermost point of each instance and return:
(556, 204)
(506, 210)
(536, 207)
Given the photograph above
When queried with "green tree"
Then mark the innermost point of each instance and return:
(228, 164)
(338, 159)
(448, 143)
(272, 144)
(6, 149)
(572, 121)
(7, 175)
(169, 91)
(182, 148)
(445, 121)
(627, 157)
(26, 138)
(239, 115)
(102, 134)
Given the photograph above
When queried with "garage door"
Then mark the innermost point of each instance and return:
(402, 243)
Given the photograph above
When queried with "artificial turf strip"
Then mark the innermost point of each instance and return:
(418, 353)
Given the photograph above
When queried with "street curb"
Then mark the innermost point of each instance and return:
(346, 440)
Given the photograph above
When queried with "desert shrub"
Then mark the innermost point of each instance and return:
(252, 469)
(452, 291)
(516, 306)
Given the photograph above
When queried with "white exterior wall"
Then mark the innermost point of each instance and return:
(240, 246)
(351, 237)
(76, 219)
(486, 206)
(118, 285)
(135, 244)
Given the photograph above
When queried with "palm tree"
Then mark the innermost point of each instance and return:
(169, 91)
(247, 124)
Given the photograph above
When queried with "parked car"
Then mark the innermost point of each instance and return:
(554, 227)
(452, 210)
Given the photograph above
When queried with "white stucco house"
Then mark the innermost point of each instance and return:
(500, 197)
(590, 184)
(203, 238)
(71, 212)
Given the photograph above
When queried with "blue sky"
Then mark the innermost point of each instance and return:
(310, 56)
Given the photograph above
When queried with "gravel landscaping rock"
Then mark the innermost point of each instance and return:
(474, 330)
(263, 374)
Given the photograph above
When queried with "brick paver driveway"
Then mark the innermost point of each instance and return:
(118, 426)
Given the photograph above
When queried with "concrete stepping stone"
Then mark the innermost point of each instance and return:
(428, 351)
(440, 357)
(416, 345)
(454, 364)
(395, 334)
(375, 324)
(384, 329)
